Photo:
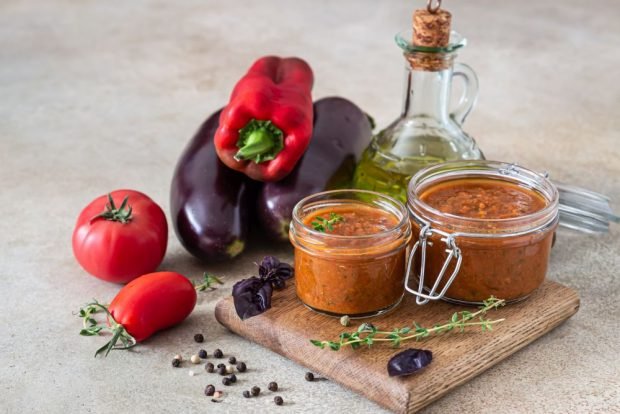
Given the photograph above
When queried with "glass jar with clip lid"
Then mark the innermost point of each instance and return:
(481, 229)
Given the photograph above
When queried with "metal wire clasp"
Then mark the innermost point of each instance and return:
(453, 253)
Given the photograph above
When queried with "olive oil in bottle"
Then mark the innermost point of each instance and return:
(426, 132)
(385, 172)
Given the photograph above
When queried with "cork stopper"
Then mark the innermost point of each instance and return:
(431, 28)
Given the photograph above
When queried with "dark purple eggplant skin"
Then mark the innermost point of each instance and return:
(209, 203)
(340, 134)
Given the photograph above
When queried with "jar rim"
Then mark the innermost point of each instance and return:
(509, 172)
(398, 206)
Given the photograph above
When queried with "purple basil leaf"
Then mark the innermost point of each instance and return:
(285, 271)
(408, 362)
(252, 296)
(274, 271)
(268, 265)
(278, 284)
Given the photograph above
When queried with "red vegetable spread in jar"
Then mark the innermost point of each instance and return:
(502, 224)
(483, 198)
(352, 220)
(350, 255)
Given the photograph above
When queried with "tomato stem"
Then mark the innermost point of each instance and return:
(111, 213)
(91, 328)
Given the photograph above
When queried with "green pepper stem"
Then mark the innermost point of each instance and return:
(259, 141)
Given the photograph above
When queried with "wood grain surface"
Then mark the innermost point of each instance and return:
(457, 357)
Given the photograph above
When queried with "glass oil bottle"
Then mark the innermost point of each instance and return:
(426, 132)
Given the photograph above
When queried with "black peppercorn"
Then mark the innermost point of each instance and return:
(218, 353)
(199, 338)
(209, 367)
(176, 362)
(202, 354)
(246, 394)
(255, 391)
(209, 390)
(273, 386)
(226, 381)
(220, 365)
(278, 400)
(241, 367)
(221, 370)
(233, 378)
(232, 360)
(309, 376)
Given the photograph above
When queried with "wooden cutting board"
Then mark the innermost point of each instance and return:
(457, 357)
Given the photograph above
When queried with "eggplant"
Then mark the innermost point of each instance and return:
(341, 132)
(209, 202)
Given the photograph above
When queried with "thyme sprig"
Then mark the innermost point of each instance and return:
(90, 327)
(207, 282)
(321, 223)
(368, 334)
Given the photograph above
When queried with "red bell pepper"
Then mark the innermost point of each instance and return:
(266, 127)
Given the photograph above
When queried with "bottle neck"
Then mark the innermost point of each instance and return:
(427, 92)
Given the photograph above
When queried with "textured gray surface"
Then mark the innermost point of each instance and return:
(99, 95)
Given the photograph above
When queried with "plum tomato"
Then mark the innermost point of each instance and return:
(118, 244)
(153, 302)
(144, 306)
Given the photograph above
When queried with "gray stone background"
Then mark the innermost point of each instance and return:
(100, 95)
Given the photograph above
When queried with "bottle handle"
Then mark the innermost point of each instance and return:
(470, 92)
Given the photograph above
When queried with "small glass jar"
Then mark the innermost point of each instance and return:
(358, 275)
(467, 260)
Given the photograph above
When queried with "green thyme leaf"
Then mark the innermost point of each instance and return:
(321, 223)
(320, 344)
(91, 331)
(208, 281)
(367, 327)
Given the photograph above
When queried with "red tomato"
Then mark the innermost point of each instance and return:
(153, 302)
(118, 241)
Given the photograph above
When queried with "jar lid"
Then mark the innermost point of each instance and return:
(584, 210)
